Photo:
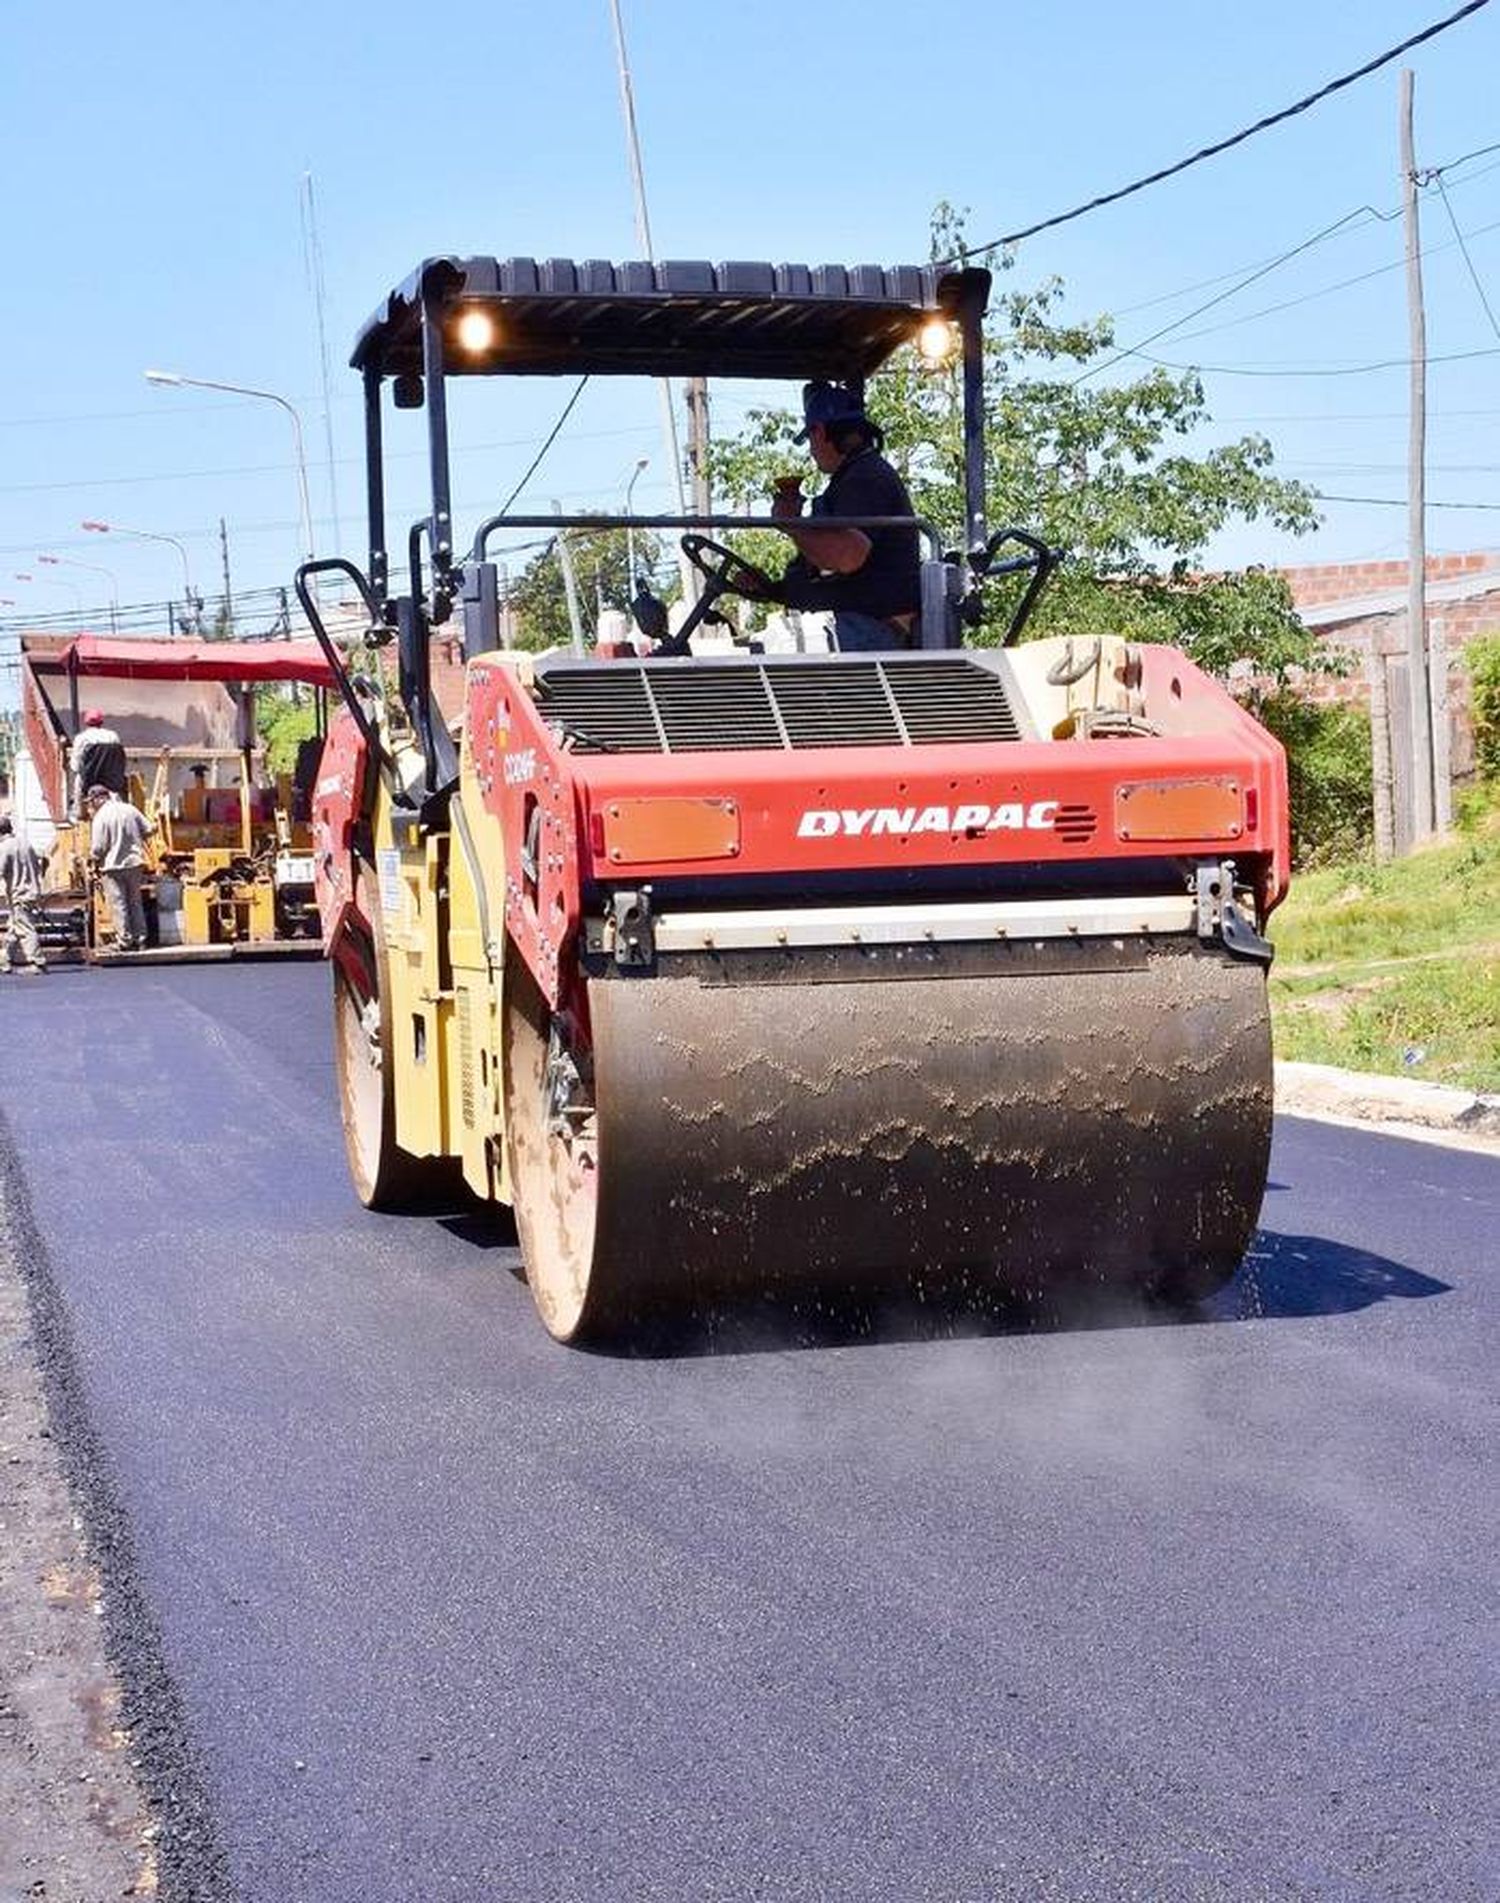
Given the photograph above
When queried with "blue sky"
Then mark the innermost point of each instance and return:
(153, 158)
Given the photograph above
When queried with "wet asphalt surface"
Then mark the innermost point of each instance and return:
(427, 1607)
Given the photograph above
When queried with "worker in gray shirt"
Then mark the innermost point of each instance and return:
(118, 833)
(21, 889)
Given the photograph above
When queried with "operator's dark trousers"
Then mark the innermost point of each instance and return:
(856, 633)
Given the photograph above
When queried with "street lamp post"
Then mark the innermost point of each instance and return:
(629, 528)
(94, 568)
(192, 610)
(172, 379)
(46, 581)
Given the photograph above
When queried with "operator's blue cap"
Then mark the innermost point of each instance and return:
(827, 403)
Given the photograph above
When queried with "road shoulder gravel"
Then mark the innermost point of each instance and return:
(1403, 1106)
(100, 1796)
(73, 1822)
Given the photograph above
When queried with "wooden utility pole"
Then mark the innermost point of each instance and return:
(1442, 745)
(570, 584)
(1416, 541)
(697, 407)
(1380, 755)
(228, 597)
(697, 390)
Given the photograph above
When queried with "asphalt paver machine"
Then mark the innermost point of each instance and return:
(938, 971)
(230, 855)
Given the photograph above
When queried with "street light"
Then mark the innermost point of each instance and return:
(94, 568)
(46, 582)
(174, 380)
(152, 535)
(629, 530)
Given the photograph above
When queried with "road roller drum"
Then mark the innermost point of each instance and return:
(945, 1134)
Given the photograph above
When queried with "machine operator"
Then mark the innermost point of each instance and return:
(869, 578)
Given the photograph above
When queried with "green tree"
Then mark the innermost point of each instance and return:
(1329, 775)
(282, 721)
(1093, 468)
(601, 570)
(1484, 670)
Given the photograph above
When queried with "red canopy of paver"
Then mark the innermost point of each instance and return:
(120, 659)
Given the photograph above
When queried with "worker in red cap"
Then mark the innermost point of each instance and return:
(97, 758)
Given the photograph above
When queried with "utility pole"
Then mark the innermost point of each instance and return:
(1380, 755)
(697, 394)
(1421, 808)
(228, 597)
(312, 258)
(570, 583)
(697, 407)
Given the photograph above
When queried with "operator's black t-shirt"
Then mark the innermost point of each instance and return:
(889, 581)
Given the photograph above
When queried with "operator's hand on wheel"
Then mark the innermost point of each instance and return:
(727, 572)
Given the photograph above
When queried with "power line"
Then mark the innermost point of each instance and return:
(1327, 290)
(1261, 271)
(459, 451)
(1341, 227)
(1223, 145)
(1400, 502)
(1447, 207)
(552, 435)
(1342, 370)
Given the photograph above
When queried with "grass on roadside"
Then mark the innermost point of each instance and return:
(1397, 968)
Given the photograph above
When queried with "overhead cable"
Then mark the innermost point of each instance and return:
(1223, 145)
(1447, 207)
(1264, 270)
(1341, 370)
(551, 439)
(1401, 502)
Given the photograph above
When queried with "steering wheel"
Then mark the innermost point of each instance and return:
(730, 573)
(724, 572)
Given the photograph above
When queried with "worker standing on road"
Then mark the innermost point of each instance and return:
(870, 578)
(97, 758)
(21, 889)
(118, 833)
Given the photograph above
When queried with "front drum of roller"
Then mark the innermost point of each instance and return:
(724, 1138)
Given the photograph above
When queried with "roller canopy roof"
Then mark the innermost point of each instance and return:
(679, 318)
(106, 657)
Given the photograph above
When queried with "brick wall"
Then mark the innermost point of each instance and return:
(1315, 587)
(1453, 623)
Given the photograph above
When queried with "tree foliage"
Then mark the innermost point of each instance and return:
(1329, 775)
(1098, 468)
(601, 572)
(283, 720)
(1484, 671)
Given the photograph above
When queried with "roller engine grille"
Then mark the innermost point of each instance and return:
(736, 706)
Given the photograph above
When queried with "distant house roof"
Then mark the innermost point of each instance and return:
(1392, 601)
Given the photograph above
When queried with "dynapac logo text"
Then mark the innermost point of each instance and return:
(902, 821)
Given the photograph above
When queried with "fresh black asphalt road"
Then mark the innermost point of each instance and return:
(437, 1611)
